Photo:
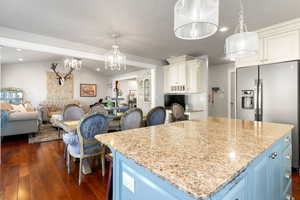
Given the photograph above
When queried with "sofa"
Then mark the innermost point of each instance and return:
(50, 108)
(21, 123)
(16, 122)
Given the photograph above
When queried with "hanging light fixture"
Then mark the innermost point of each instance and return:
(242, 43)
(73, 63)
(114, 59)
(196, 19)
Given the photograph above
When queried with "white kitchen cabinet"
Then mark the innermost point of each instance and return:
(173, 74)
(194, 72)
(181, 74)
(183, 77)
(277, 43)
(281, 47)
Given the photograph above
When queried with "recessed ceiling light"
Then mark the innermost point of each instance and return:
(19, 49)
(20, 59)
(98, 69)
(223, 29)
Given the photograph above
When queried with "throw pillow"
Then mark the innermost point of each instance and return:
(5, 106)
(28, 107)
(19, 108)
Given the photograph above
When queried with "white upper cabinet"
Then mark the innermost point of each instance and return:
(183, 77)
(281, 47)
(278, 43)
(194, 70)
(181, 74)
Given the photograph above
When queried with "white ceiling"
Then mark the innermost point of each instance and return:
(146, 25)
(11, 56)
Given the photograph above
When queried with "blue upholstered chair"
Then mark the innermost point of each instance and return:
(132, 118)
(87, 146)
(72, 112)
(156, 116)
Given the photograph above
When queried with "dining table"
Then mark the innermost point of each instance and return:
(71, 125)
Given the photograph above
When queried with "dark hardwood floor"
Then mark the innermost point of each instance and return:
(38, 171)
(296, 186)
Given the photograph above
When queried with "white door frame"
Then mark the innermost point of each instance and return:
(229, 91)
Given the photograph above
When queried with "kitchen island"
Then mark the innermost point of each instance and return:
(213, 158)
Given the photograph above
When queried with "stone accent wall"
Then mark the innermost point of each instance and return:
(55, 92)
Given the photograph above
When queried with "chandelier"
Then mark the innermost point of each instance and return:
(242, 43)
(114, 59)
(196, 19)
(73, 63)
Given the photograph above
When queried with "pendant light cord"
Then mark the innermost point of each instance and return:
(242, 26)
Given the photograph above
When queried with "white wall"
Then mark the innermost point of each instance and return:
(126, 85)
(218, 77)
(32, 78)
(156, 86)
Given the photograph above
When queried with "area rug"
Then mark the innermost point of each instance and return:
(47, 133)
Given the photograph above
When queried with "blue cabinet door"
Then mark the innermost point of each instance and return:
(275, 173)
(260, 180)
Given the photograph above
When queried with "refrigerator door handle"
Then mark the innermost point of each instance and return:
(258, 100)
(255, 99)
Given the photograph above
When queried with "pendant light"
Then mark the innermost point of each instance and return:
(196, 19)
(242, 43)
(114, 59)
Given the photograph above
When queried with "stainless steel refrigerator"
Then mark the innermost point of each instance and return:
(270, 93)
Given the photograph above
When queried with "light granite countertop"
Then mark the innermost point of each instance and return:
(198, 157)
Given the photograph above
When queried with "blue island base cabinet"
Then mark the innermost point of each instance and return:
(133, 182)
(268, 177)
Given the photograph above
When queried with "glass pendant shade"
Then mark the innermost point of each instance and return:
(241, 45)
(115, 60)
(196, 19)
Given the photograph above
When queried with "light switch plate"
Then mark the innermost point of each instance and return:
(128, 181)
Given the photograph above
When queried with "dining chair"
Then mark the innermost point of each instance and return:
(156, 116)
(132, 118)
(72, 112)
(178, 113)
(98, 108)
(88, 146)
